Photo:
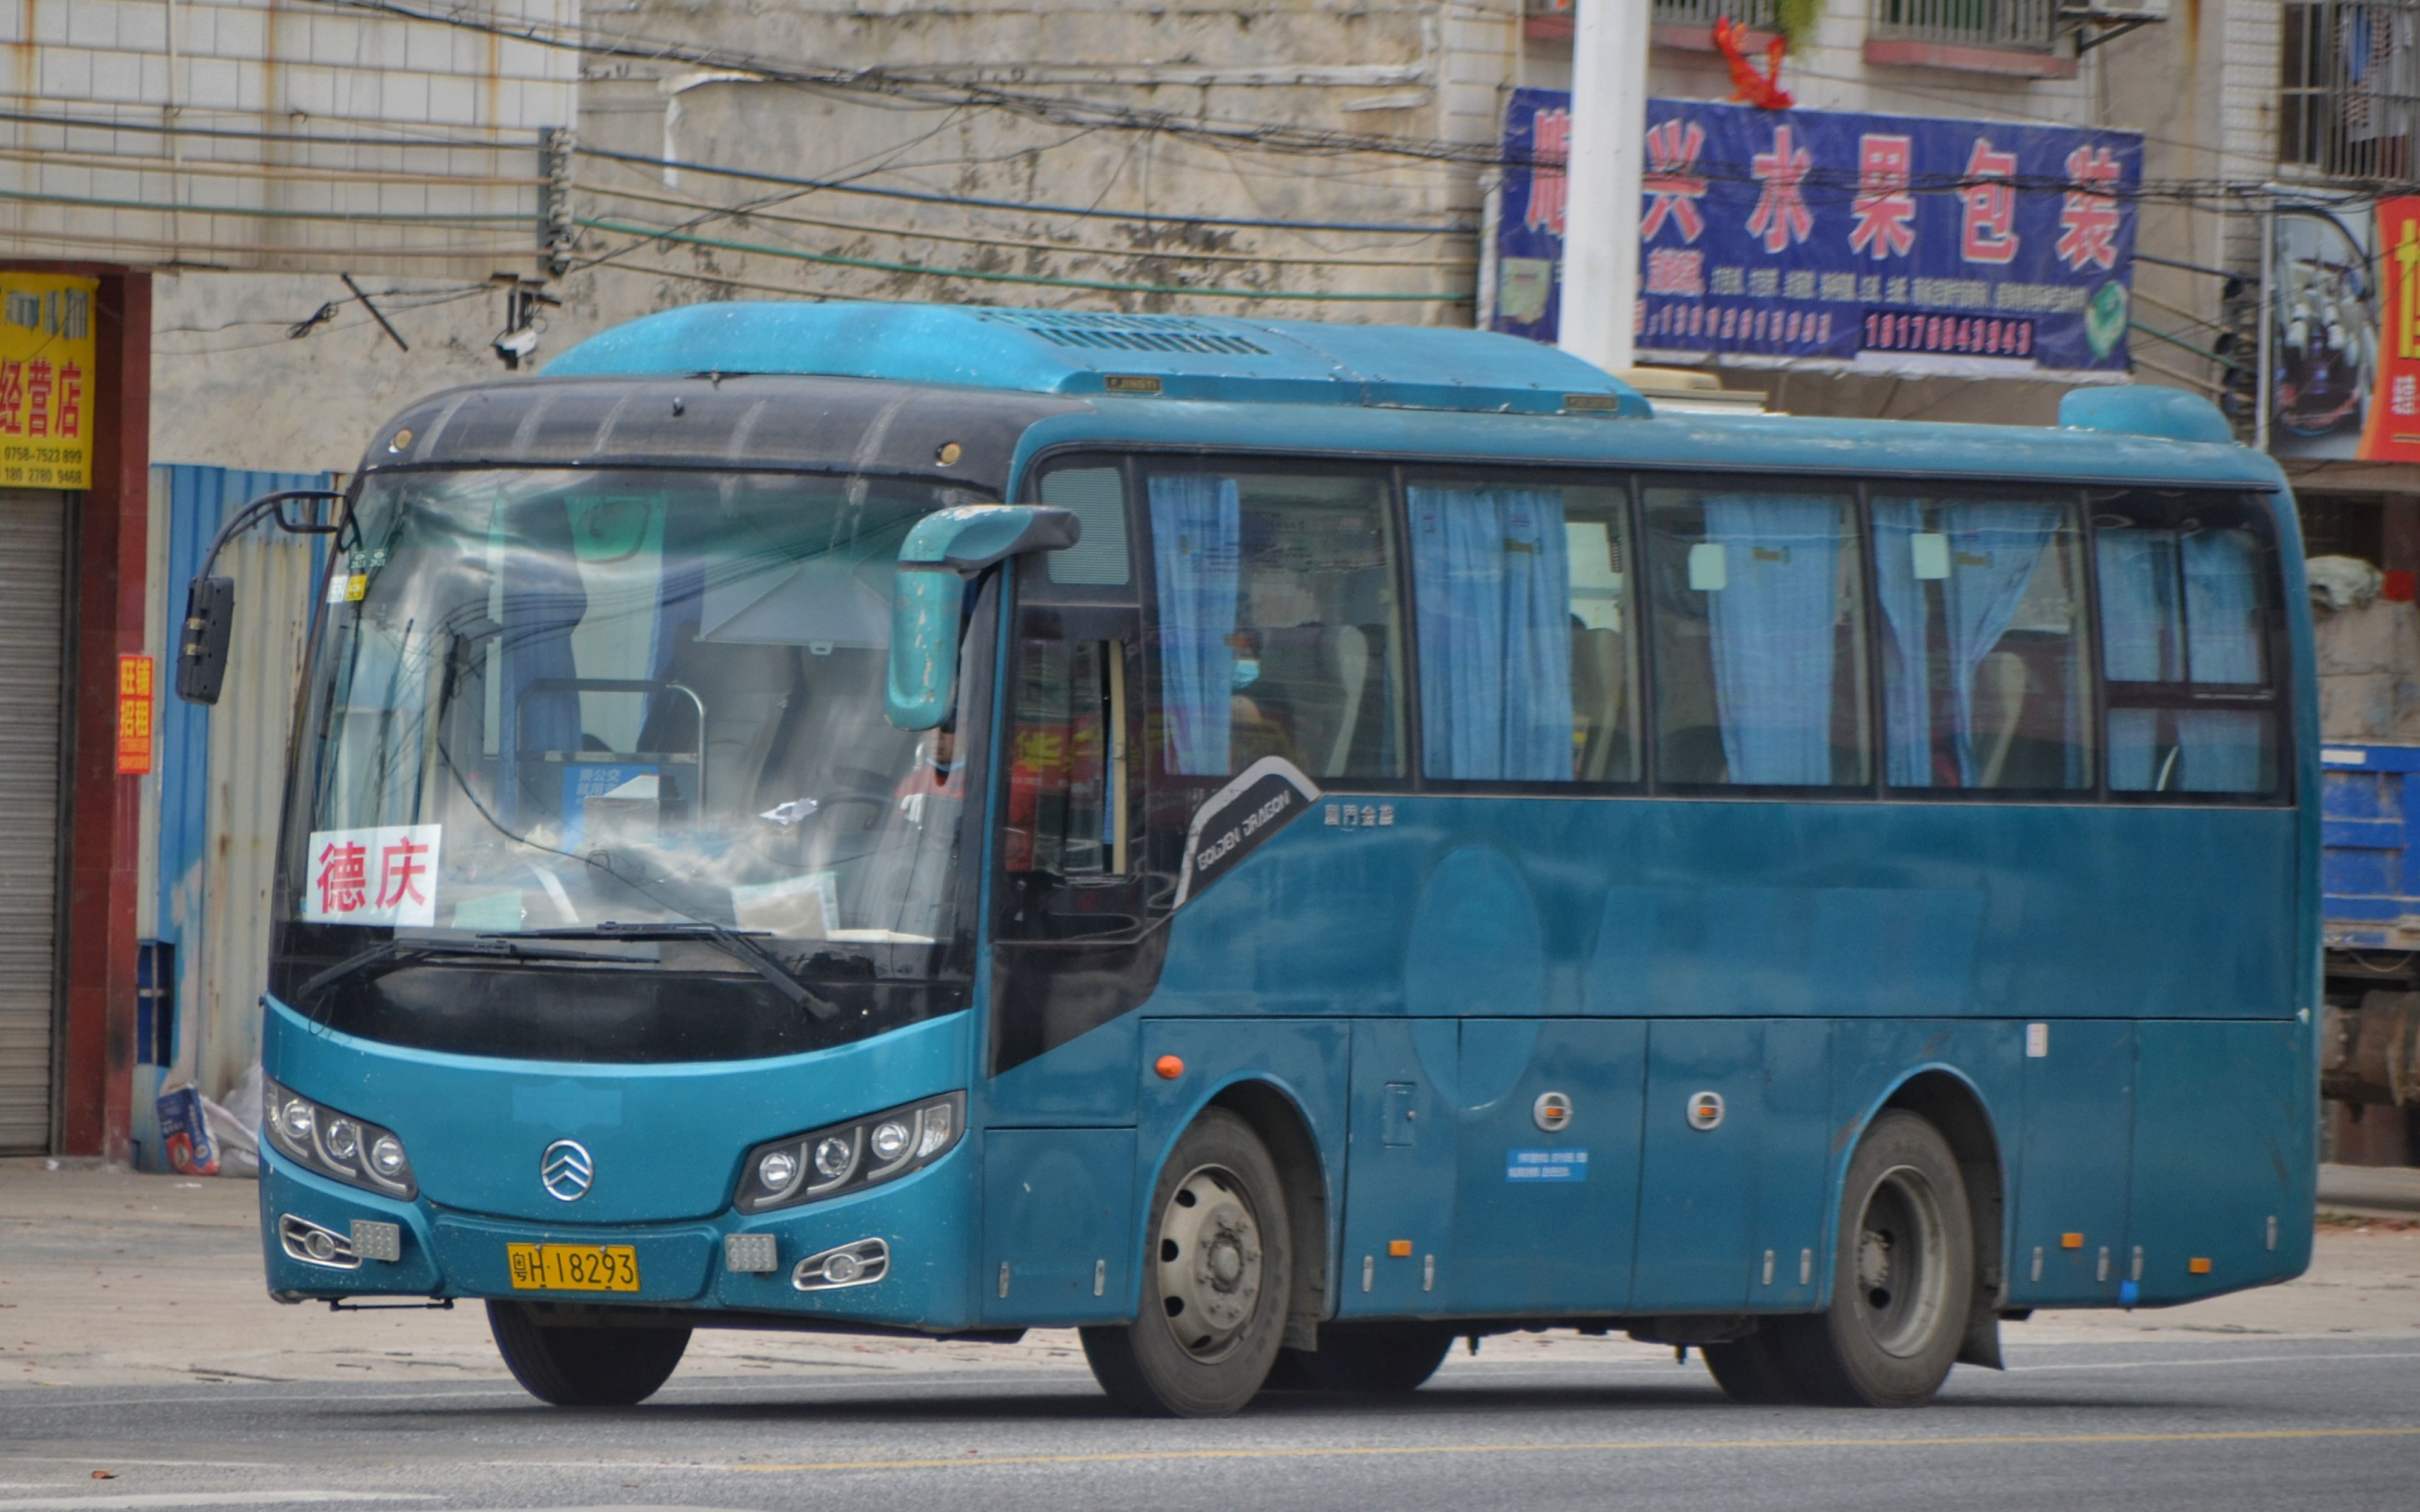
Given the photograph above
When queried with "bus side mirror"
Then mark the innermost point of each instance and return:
(202, 650)
(939, 555)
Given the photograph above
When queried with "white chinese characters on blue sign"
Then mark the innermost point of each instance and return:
(1827, 235)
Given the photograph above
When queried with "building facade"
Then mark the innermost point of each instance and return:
(293, 216)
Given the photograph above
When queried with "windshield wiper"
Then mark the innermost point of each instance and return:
(487, 947)
(738, 943)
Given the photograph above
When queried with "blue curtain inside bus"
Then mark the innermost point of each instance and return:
(1492, 573)
(543, 602)
(1773, 624)
(1196, 525)
(1993, 550)
(2183, 606)
(2138, 606)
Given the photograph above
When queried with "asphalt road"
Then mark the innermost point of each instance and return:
(2202, 1424)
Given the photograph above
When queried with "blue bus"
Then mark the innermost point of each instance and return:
(1281, 846)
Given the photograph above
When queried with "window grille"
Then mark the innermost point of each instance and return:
(2350, 89)
(2019, 25)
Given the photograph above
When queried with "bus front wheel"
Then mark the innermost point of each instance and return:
(584, 1366)
(1902, 1277)
(1217, 1280)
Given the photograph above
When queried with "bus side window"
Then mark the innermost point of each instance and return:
(1278, 630)
(1521, 602)
(1760, 637)
(1984, 680)
(2187, 624)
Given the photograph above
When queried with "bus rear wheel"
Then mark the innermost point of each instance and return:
(1902, 1277)
(1216, 1290)
(584, 1366)
(1374, 1359)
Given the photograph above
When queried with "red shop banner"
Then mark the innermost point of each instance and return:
(2393, 433)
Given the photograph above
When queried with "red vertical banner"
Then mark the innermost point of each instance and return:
(2393, 431)
(133, 716)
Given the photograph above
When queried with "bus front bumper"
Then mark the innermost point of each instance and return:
(323, 1241)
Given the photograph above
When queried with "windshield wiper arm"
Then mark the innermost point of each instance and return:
(487, 947)
(738, 943)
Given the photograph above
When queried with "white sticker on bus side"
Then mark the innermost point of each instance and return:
(386, 875)
(2338, 756)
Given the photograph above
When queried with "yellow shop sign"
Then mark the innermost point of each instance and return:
(46, 380)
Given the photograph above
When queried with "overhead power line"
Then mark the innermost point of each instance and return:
(656, 234)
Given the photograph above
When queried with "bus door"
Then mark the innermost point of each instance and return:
(1074, 954)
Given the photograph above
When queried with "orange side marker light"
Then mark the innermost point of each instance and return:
(2199, 1265)
(2071, 1240)
(1169, 1067)
(1400, 1249)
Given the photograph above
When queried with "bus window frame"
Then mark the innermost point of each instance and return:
(1869, 704)
(1386, 472)
(2278, 700)
(1621, 481)
(2088, 634)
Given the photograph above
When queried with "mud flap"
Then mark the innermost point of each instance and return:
(1982, 1343)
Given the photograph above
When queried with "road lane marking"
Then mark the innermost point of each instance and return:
(1604, 1446)
(2238, 1359)
(148, 1498)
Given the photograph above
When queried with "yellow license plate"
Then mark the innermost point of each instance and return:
(573, 1267)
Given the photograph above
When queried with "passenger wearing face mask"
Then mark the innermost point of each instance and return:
(1258, 727)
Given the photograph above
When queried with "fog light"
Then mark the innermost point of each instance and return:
(375, 1240)
(833, 1158)
(890, 1140)
(863, 1263)
(751, 1253)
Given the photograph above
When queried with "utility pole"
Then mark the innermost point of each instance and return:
(1600, 193)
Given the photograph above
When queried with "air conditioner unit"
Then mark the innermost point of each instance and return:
(2104, 12)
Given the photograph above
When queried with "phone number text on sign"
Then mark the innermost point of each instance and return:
(386, 875)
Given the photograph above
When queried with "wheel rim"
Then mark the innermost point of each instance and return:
(1901, 1262)
(1209, 1262)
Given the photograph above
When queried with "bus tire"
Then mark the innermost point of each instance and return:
(584, 1366)
(1371, 1359)
(1751, 1371)
(1218, 1276)
(1904, 1273)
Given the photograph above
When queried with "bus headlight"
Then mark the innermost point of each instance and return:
(848, 1157)
(335, 1145)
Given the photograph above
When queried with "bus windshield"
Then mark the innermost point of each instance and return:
(557, 700)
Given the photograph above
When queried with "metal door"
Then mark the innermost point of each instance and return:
(33, 625)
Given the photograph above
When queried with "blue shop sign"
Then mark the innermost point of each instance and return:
(1893, 242)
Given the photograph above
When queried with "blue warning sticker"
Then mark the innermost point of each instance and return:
(1545, 1165)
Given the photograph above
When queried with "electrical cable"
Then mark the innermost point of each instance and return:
(992, 276)
(1061, 249)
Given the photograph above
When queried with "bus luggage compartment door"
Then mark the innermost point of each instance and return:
(2224, 1158)
(1399, 1173)
(2070, 1219)
(1548, 1131)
